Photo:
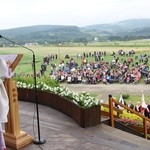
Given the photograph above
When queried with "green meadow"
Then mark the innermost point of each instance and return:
(25, 64)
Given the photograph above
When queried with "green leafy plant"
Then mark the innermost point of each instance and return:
(29, 80)
(125, 96)
(130, 116)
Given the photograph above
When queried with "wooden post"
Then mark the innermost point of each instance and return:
(14, 137)
(111, 112)
(145, 127)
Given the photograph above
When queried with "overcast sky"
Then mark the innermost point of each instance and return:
(20, 13)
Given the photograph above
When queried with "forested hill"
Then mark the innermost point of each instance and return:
(55, 34)
(123, 30)
(41, 34)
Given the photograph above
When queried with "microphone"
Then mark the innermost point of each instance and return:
(39, 140)
(17, 44)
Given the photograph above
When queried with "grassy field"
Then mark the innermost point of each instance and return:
(61, 51)
(136, 98)
(25, 64)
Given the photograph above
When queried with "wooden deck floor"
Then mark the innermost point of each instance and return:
(62, 133)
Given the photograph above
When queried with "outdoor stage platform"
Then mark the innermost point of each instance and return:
(63, 133)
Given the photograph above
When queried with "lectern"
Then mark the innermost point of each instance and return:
(14, 137)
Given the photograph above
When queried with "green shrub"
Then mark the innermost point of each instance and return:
(48, 81)
(24, 79)
(30, 80)
(130, 116)
(125, 96)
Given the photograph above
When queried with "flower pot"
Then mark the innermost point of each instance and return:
(139, 129)
(85, 117)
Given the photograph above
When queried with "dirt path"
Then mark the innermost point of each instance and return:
(103, 90)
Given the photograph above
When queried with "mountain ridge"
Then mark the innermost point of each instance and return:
(54, 34)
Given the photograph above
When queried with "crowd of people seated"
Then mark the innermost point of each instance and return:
(147, 78)
(92, 68)
(121, 71)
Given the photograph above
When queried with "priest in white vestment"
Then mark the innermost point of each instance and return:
(4, 102)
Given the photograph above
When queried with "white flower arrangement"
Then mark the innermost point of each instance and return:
(83, 100)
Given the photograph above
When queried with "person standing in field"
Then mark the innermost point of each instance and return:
(130, 105)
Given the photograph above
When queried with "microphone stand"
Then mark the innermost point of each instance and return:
(39, 140)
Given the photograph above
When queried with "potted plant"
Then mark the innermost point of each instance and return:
(135, 124)
(83, 108)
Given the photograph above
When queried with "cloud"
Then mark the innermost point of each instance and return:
(70, 12)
